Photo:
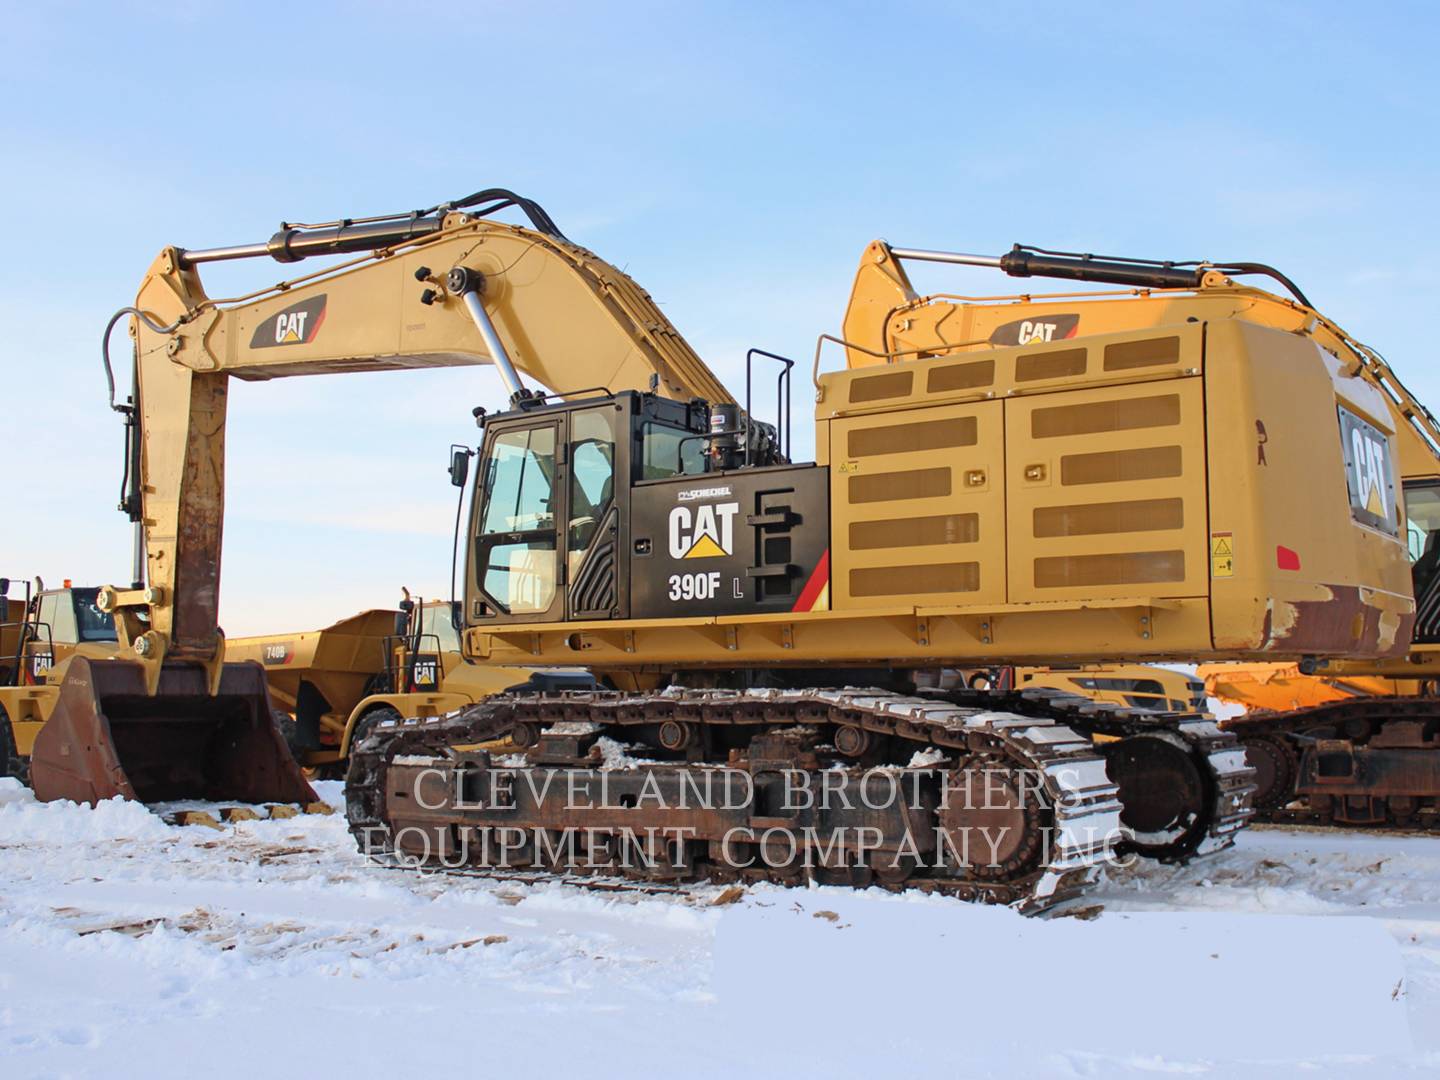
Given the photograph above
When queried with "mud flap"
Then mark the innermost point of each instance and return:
(107, 737)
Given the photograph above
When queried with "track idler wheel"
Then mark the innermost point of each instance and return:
(1164, 795)
(1276, 766)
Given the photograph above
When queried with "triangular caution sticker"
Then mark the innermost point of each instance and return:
(1221, 547)
(705, 548)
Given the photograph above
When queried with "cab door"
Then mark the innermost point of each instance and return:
(517, 550)
(597, 496)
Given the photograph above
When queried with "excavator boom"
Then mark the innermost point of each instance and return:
(441, 287)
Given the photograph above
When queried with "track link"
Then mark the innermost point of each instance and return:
(1049, 851)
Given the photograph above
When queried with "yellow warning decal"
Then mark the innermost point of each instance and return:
(1222, 554)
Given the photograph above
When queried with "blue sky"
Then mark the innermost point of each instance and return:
(734, 158)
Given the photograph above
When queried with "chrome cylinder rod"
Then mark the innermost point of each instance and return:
(137, 567)
(922, 255)
(471, 295)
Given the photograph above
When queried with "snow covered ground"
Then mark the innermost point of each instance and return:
(132, 948)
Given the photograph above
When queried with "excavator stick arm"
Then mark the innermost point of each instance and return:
(439, 288)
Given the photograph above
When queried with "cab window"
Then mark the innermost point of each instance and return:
(592, 474)
(437, 625)
(1422, 517)
(94, 624)
(516, 549)
(665, 452)
(57, 613)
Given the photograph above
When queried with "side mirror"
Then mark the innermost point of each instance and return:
(457, 615)
(459, 465)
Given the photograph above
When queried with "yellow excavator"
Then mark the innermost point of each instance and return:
(1158, 472)
(1140, 686)
(1356, 742)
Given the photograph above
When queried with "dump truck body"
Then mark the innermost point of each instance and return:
(1136, 686)
(335, 681)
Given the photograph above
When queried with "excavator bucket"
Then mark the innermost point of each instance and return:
(106, 736)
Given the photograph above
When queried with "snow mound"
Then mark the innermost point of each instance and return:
(25, 820)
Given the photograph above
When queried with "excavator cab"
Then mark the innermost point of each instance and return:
(635, 506)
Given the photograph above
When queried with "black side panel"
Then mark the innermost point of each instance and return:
(728, 543)
(592, 592)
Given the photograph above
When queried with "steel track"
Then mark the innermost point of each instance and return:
(1047, 732)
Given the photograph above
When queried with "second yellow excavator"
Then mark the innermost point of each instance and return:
(1356, 742)
(1159, 473)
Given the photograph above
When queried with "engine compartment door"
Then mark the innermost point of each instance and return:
(1107, 492)
(918, 501)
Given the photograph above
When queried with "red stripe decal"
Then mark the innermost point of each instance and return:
(818, 580)
(315, 326)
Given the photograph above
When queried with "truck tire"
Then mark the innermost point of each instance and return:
(290, 732)
(367, 723)
(11, 763)
(363, 727)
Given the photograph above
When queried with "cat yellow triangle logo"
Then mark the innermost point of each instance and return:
(1374, 505)
(704, 548)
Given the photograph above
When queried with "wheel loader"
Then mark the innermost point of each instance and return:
(324, 685)
(41, 629)
(236, 755)
(1159, 470)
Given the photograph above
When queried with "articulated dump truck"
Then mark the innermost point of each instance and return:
(333, 686)
(1174, 466)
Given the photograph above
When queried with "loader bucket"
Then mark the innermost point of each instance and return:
(106, 736)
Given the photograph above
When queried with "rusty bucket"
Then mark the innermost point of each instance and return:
(106, 736)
